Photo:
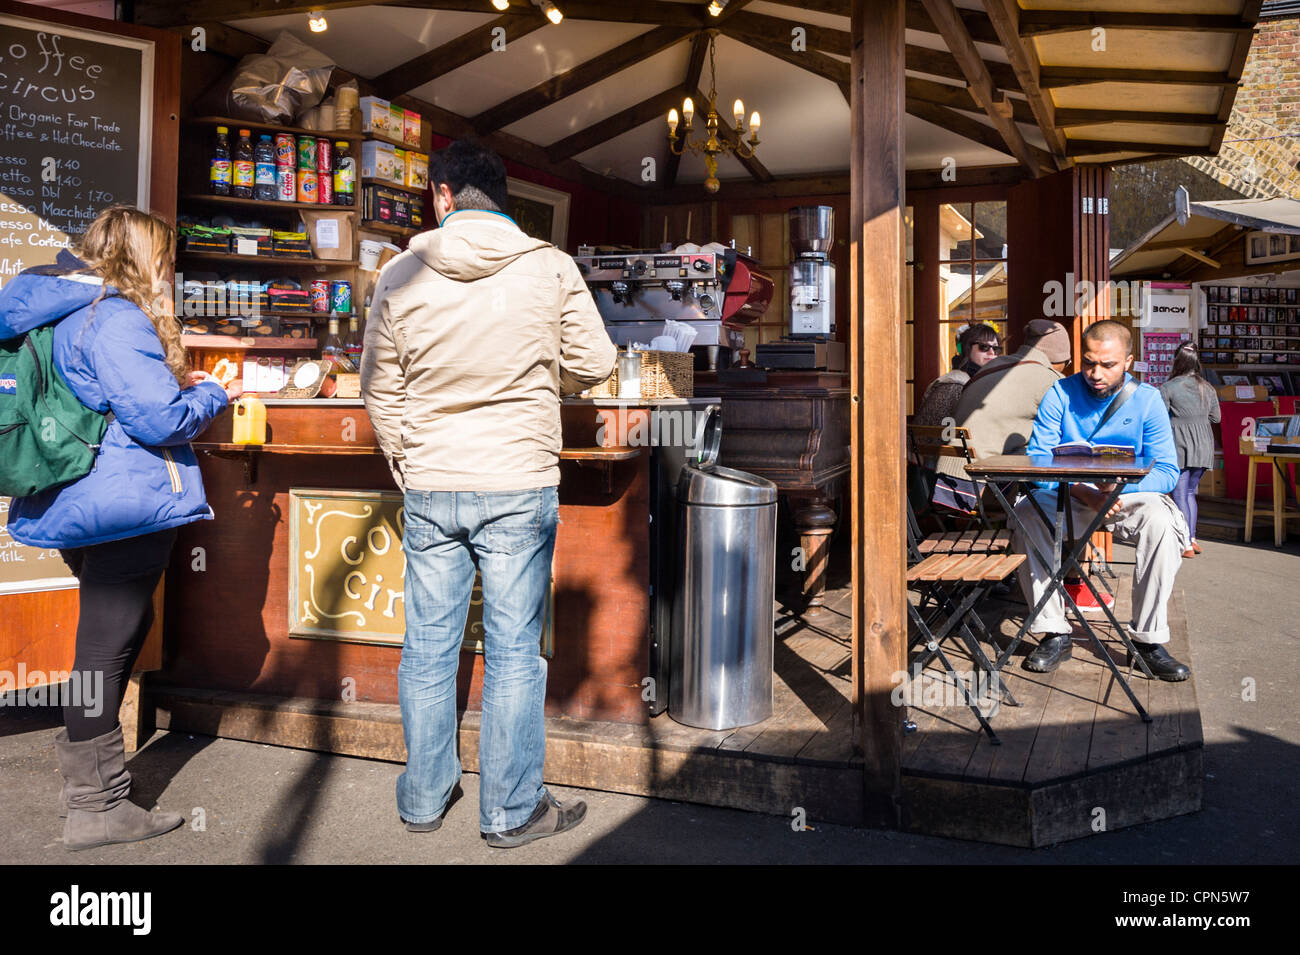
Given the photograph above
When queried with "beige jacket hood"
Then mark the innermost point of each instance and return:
(469, 334)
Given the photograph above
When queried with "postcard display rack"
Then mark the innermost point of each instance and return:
(1251, 325)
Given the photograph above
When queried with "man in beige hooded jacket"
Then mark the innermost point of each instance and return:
(470, 333)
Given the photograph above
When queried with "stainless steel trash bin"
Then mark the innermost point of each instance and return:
(721, 647)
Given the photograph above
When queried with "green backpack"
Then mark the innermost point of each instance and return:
(47, 436)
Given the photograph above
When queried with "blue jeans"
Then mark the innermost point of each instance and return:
(1189, 479)
(510, 535)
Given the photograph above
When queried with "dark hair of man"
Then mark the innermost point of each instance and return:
(977, 334)
(474, 174)
(1108, 329)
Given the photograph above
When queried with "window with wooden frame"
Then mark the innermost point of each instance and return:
(972, 271)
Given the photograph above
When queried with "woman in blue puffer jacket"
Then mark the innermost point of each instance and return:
(118, 346)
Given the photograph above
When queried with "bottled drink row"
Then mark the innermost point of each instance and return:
(284, 168)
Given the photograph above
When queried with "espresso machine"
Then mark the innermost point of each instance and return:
(811, 343)
(717, 291)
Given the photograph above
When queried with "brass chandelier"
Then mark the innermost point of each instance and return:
(712, 146)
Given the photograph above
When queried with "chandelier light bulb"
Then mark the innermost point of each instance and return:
(672, 122)
(738, 111)
(688, 110)
(552, 11)
(754, 122)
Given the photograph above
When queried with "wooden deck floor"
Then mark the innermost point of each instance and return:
(1074, 756)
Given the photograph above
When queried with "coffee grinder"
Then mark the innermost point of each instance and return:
(811, 343)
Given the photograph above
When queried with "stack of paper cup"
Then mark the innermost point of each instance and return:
(370, 252)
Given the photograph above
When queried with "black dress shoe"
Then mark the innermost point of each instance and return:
(1161, 664)
(550, 818)
(1052, 649)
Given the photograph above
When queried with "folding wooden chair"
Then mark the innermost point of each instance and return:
(952, 573)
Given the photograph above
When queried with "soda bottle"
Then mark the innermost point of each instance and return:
(242, 182)
(333, 349)
(264, 169)
(219, 168)
(345, 169)
(353, 344)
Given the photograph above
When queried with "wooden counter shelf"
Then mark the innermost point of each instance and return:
(235, 125)
(603, 458)
(246, 342)
(265, 259)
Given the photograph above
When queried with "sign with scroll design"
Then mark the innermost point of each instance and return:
(347, 571)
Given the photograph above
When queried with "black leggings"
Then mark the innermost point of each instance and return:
(117, 584)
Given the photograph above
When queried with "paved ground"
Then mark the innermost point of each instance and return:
(260, 803)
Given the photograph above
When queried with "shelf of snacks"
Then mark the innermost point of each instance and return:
(261, 259)
(229, 122)
(386, 228)
(268, 204)
(244, 343)
(413, 190)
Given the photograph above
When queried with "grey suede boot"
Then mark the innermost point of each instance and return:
(97, 784)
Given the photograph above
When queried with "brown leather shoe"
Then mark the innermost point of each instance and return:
(1196, 547)
(1189, 553)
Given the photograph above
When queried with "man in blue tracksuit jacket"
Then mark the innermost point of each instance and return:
(1144, 514)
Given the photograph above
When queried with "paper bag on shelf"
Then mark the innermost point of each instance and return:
(330, 233)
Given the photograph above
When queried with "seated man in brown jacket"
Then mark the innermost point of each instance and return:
(999, 404)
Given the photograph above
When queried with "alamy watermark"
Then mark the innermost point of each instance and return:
(83, 690)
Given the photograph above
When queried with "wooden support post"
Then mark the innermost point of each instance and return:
(876, 356)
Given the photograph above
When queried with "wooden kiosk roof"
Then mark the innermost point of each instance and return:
(1022, 88)
(1182, 243)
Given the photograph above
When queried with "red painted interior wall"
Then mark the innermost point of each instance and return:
(595, 217)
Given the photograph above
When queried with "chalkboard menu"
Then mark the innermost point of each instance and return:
(76, 119)
(25, 569)
(76, 115)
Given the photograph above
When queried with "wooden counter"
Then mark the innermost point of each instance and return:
(227, 590)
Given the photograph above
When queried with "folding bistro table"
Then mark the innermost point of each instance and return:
(1067, 547)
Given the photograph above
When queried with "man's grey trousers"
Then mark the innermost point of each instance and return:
(1148, 520)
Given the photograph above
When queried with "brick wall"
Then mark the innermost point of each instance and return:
(1260, 155)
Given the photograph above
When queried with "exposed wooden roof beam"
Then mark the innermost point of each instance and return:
(819, 64)
(1065, 118)
(1005, 15)
(968, 128)
(752, 165)
(1052, 77)
(945, 17)
(922, 59)
(1042, 22)
(958, 97)
(1213, 246)
(454, 54)
(579, 78)
(779, 30)
(694, 70)
(655, 107)
(978, 25)
(1098, 147)
(918, 179)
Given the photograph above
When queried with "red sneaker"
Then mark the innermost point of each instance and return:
(1084, 599)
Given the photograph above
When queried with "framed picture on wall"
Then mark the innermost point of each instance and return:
(540, 211)
(1275, 381)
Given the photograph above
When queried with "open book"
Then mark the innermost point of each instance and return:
(1085, 449)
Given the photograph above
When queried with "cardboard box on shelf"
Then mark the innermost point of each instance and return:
(378, 161)
(399, 167)
(411, 128)
(376, 115)
(396, 122)
(417, 170)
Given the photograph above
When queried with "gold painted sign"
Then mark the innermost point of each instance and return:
(347, 571)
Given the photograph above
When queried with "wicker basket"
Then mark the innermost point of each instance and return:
(664, 374)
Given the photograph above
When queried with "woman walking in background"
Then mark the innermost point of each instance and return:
(1193, 407)
(118, 347)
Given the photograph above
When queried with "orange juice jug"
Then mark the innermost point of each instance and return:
(249, 423)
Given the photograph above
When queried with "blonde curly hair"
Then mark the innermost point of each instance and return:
(135, 253)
